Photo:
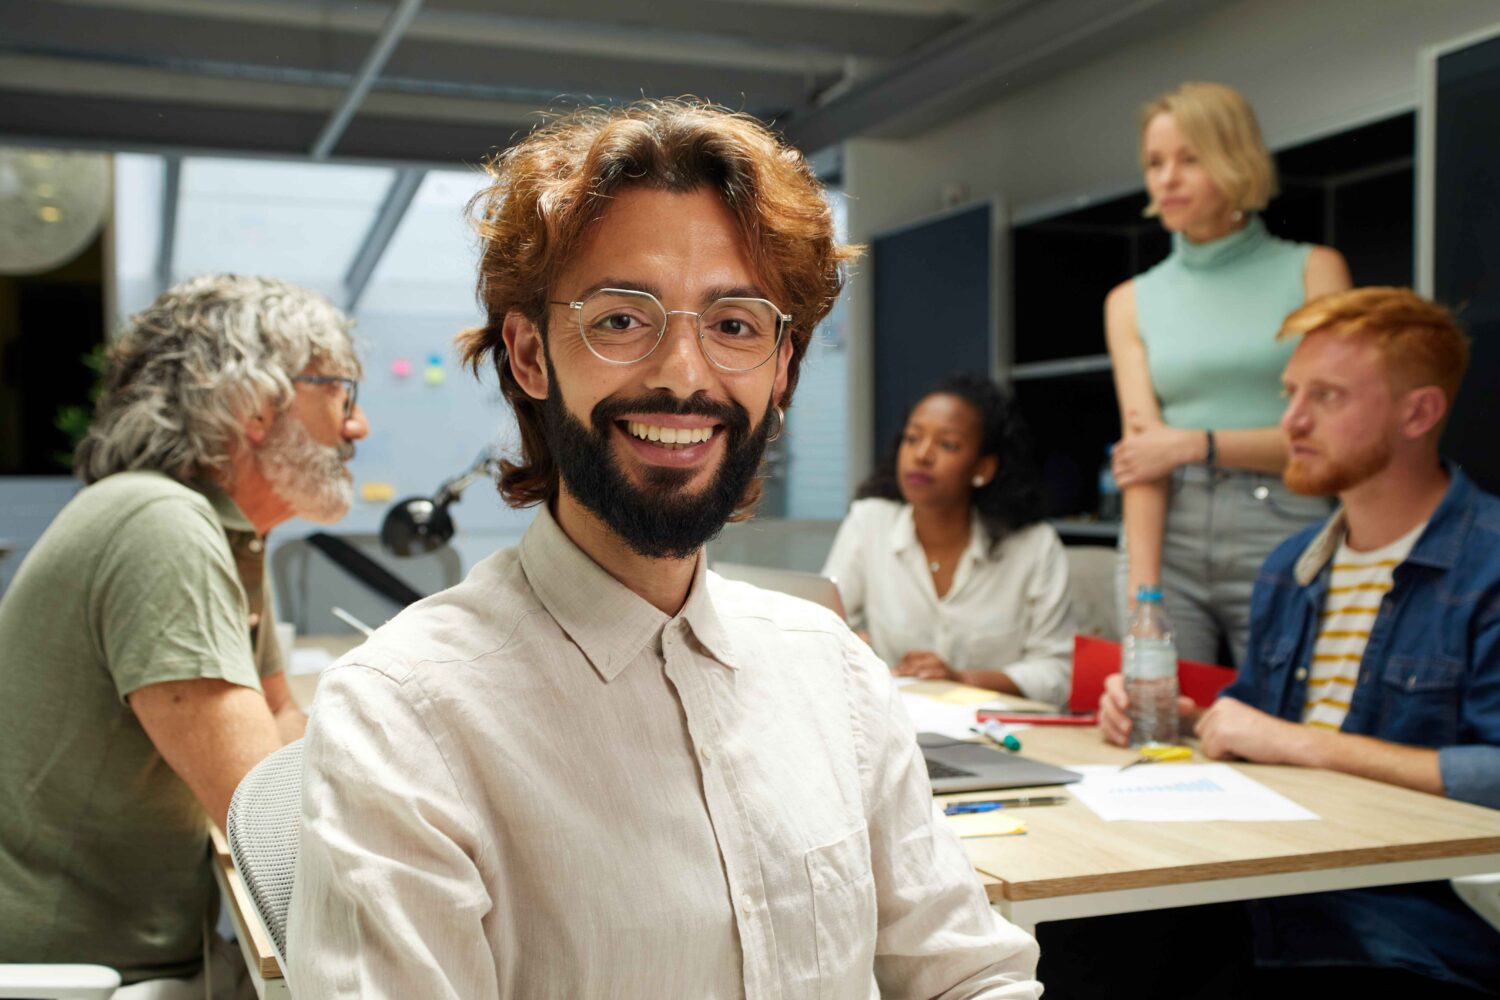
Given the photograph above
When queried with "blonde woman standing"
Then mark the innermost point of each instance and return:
(1197, 369)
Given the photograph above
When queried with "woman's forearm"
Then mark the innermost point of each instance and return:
(1259, 449)
(1145, 522)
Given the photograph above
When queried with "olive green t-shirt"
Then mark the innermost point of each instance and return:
(104, 853)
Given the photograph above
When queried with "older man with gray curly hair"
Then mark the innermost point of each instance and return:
(140, 678)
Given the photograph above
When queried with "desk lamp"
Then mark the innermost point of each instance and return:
(421, 524)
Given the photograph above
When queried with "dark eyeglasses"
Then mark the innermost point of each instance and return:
(351, 388)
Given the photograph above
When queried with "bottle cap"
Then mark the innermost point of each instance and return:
(1148, 592)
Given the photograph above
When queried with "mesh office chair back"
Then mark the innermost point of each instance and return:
(265, 818)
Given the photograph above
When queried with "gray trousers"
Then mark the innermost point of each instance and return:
(1221, 525)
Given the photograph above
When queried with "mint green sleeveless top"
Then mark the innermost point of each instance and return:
(1208, 316)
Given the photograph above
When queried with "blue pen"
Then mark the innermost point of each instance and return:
(990, 805)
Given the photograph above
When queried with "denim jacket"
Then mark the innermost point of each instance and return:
(1430, 677)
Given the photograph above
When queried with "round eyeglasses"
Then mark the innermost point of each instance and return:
(351, 388)
(622, 327)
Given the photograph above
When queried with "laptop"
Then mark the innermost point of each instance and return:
(959, 766)
(808, 586)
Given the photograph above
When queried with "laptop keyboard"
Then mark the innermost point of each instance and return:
(937, 769)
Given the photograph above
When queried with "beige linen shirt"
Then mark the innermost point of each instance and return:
(535, 784)
(1008, 609)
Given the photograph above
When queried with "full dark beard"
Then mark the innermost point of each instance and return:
(659, 520)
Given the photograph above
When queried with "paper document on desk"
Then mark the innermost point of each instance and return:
(1181, 792)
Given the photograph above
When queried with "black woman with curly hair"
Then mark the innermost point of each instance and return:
(944, 560)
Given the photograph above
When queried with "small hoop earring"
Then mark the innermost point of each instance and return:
(780, 425)
(978, 482)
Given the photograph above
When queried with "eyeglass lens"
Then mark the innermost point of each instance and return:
(623, 326)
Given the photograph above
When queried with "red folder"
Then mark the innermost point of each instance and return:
(1095, 659)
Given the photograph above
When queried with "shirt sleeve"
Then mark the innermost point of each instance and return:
(845, 565)
(388, 897)
(167, 603)
(936, 933)
(1471, 771)
(1045, 670)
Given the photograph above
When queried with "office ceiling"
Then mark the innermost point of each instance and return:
(446, 81)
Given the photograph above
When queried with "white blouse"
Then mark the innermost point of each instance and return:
(1007, 610)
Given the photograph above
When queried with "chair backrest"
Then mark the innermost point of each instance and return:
(264, 827)
(307, 583)
(1095, 659)
(1091, 584)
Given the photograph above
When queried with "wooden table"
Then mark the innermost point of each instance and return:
(1071, 863)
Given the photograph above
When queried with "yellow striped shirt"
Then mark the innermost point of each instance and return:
(1358, 585)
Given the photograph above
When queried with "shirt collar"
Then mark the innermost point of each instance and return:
(1438, 546)
(225, 509)
(904, 534)
(608, 621)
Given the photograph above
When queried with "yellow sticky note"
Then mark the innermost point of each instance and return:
(962, 694)
(990, 824)
(376, 492)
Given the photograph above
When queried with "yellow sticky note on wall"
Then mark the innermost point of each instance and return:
(376, 492)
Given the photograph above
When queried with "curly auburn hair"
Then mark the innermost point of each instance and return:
(1010, 501)
(549, 189)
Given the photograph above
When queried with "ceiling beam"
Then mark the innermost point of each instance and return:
(909, 8)
(385, 44)
(514, 32)
(974, 60)
(398, 199)
(91, 78)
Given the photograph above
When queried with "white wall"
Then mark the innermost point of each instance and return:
(1309, 66)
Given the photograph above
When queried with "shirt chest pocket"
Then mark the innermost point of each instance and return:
(844, 914)
(1420, 698)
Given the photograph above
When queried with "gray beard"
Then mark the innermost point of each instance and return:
(307, 475)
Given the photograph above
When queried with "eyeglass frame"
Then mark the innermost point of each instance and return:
(351, 388)
(576, 307)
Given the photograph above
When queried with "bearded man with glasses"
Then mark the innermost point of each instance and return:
(595, 768)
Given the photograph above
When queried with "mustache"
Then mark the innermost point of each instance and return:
(734, 417)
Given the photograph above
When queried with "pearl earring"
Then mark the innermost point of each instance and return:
(1237, 215)
(978, 482)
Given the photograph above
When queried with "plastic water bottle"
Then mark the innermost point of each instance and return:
(1150, 668)
(1109, 490)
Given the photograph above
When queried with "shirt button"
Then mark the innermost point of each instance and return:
(256, 545)
(1261, 492)
(1411, 682)
(706, 754)
(747, 904)
(1302, 673)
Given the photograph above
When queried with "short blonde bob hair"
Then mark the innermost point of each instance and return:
(1421, 341)
(1220, 124)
